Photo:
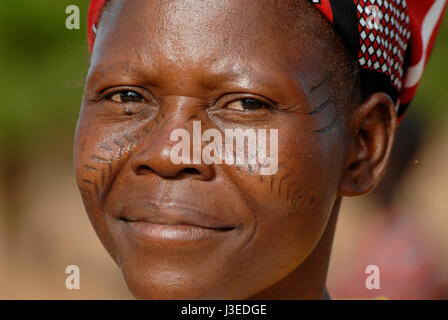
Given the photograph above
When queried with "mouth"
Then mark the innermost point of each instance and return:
(172, 232)
(171, 222)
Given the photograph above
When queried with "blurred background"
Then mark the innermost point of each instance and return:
(402, 227)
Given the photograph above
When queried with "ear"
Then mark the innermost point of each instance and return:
(373, 126)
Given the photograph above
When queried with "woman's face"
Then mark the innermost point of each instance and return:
(200, 230)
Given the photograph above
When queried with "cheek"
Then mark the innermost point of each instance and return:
(291, 208)
(100, 152)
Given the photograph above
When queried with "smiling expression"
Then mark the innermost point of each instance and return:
(198, 230)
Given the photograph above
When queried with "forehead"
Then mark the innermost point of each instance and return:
(227, 37)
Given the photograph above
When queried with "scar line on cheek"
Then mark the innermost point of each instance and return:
(90, 168)
(320, 108)
(329, 127)
(319, 85)
(99, 159)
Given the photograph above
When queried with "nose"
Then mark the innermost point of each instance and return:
(153, 157)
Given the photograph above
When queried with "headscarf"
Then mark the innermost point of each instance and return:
(391, 39)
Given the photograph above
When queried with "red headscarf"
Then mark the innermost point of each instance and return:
(391, 39)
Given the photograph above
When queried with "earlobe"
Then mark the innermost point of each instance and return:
(373, 126)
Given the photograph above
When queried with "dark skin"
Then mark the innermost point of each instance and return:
(159, 65)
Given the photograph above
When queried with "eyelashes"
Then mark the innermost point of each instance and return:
(127, 98)
(246, 104)
(128, 102)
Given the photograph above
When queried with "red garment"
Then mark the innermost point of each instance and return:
(382, 34)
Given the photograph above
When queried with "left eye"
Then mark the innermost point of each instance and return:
(247, 104)
(125, 97)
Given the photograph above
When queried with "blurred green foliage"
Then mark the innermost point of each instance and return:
(43, 66)
(431, 101)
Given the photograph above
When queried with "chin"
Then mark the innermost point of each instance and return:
(173, 287)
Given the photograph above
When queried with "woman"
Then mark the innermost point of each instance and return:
(332, 82)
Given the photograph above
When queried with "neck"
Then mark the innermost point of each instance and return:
(308, 280)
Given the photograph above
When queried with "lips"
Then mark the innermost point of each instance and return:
(171, 221)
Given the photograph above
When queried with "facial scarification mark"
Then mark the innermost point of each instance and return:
(294, 196)
(118, 150)
(99, 159)
(118, 143)
(110, 165)
(320, 84)
(289, 185)
(329, 127)
(103, 178)
(129, 148)
(105, 146)
(325, 107)
(90, 186)
(273, 177)
(85, 192)
(87, 181)
(90, 168)
(282, 183)
(320, 108)
(311, 91)
(97, 190)
(296, 200)
(282, 179)
(285, 186)
(128, 138)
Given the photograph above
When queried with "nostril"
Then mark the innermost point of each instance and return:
(143, 170)
(146, 163)
(189, 172)
(167, 173)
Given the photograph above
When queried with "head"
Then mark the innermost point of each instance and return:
(214, 230)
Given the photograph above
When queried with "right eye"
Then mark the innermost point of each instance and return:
(125, 96)
(247, 104)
